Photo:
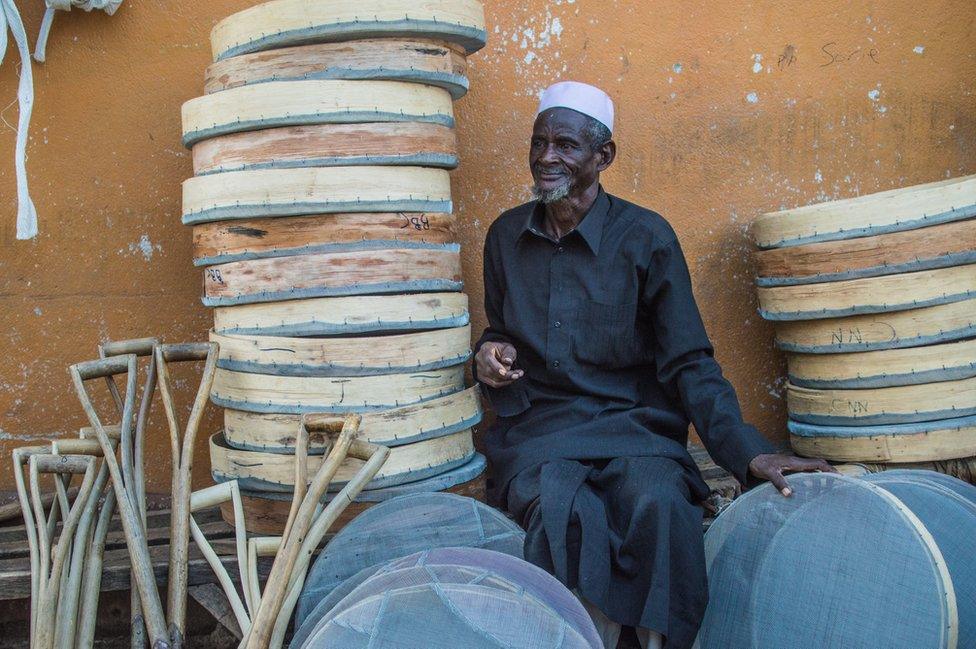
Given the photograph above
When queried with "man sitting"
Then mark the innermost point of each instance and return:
(595, 359)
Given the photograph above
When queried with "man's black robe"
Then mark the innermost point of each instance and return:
(589, 447)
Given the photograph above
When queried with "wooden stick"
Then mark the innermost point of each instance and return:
(20, 458)
(132, 452)
(131, 520)
(259, 546)
(51, 574)
(259, 635)
(91, 587)
(182, 444)
(210, 497)
(71, 591)
(374, 456)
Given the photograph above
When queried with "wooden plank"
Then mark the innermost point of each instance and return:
(922, 442)
(871, 295)
(293, 103)
(885, 368)
(345, 315)
(939, 246)
(292, 22)
(116, 539)
(872, 406)
(15, 573)
(896, 210)
(224, 241)
(388, 59)
(296, 192)
(911, 328)
(154, 519)
(213, 599)
(260, 471)
(393, 270)
(329, 145)
(276, 433)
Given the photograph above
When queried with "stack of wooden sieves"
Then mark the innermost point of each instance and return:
(321, 209)
(874, 300)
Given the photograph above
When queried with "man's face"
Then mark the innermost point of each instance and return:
(562, 162)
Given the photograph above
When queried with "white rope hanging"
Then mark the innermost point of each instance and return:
(108, 6)
(10, 19)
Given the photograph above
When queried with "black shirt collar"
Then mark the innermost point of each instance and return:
(590, 228)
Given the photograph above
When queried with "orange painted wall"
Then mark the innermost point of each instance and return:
(725, 109)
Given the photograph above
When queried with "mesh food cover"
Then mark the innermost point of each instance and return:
(957, 486)
(840, 564)
(402, 526)
(951, 520)
(458, 566)
(450, 606)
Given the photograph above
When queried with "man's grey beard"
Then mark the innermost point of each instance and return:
(551, 195)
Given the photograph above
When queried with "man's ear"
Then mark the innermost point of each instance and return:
(607, 153)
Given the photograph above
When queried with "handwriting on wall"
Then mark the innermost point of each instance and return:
(831, 53)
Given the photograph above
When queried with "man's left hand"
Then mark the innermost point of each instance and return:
(773, 466)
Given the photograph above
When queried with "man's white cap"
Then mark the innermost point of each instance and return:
(580, 97)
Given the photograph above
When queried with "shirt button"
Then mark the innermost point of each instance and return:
(557, 324)
(559, 249)
(555, 363)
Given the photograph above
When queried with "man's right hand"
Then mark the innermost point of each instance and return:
(494, 361)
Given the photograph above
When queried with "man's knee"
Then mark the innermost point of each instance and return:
(656, 483)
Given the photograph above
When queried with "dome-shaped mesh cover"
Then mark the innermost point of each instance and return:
(460, 566)
(402, 526)
(494, 614)
(959, 487)
(840, 564)
(951, 520)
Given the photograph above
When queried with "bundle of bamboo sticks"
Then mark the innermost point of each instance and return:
(874, 302)
(321, 210)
